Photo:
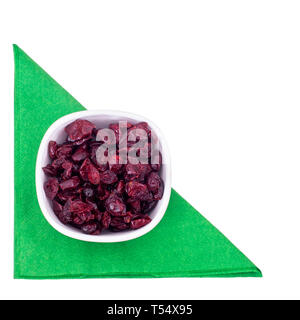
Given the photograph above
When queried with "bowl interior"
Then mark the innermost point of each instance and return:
(101, 120)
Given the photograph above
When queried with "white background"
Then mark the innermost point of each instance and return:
(227, 73)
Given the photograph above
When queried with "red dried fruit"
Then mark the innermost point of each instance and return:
(78, 206)
(79, 129)
(148, 206)
(115, 221)
(49, 170)
(98, 215)
(108, 177)
(137, 190)
(90, 195)
(92, 203)
(153, 182)
(136, 171)
(115, 205)
(158, 195)
(145, 169)
(51, 188)
(71, 183)
(89, 172)
(57, 163)
(80, 154)
(63, 151)
(134, 135)
(120, 187)
(89, 228)
(96, 232)
(135, 205)
(116, 128)
(103, 165)
(138, 223)
(105, 220)
(128, 217)
(52, 147)
(57, 207)
(65, 216)
(79, 220)
(133, 172)
(66, 195)
(117, 167)
(103, 193)
(67, 166)
(157, 166)
(118, 226)
(79, 142)
(93, 175)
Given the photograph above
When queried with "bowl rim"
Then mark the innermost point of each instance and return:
(113, 237)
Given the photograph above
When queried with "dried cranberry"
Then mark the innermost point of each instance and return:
(92, 203)
(108, 177)
(116, 220)
(138, 223)
(65, 216)
(79, 142)
(98, 215)
(118, 226)
(63, 151)
(135, 205)
(145, 169)
(79, 129)
(102, 192)
(133, 172)
(128, 217)
(71, 183)
(57, 163)
(115, 127)
(96, 232)
(153, 182)
(78, 206)
(115, 205)
(49, 170)
(137, 190)
(89, 195)
(89, 228)
(148, 206)
(158, 195)
(66, 195)
(52, 147)
(57, 207)
(80, 154)
(79, 219)
(120, 187)
(157, 166)
(67, 166)
(103, 165)
(117, 167)
(89, 172)
(105, 220)
(51, 188)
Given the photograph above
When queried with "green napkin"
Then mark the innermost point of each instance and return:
(184, 244)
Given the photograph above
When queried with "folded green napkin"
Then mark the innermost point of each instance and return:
(184, 244)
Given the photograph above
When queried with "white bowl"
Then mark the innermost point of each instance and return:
(100, 119)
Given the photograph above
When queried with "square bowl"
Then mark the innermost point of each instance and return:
(101, 118)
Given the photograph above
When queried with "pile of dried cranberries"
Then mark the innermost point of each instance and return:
(92, 196)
